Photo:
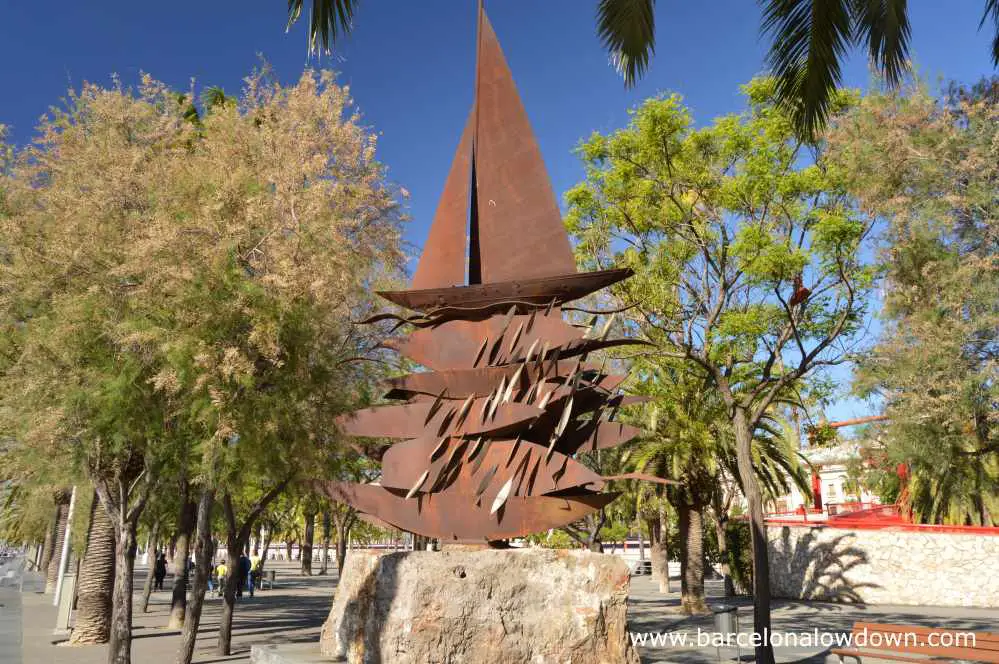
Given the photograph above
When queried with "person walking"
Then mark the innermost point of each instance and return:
(159, 571)
(220, 572)
(255, 569)
(242, 574)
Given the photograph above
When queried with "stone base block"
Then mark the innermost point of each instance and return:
(289, 653)
(518, 606)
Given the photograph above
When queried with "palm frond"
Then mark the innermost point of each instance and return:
(627, 30)
(992, 9)
(190, 110)
(213, 97)
(328, 20)
(810, 38)
(884, 26)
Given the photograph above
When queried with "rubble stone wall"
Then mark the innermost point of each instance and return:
(885, 566)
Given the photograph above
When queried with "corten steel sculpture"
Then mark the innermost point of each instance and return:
(490, 433)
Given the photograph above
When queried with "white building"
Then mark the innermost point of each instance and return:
(832, 491)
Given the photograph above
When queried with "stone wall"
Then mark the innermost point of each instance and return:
(885, 566)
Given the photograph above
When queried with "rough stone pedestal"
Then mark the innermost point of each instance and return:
(517, 606)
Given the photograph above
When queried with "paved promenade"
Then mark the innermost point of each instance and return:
(294, 612)
(650, 611)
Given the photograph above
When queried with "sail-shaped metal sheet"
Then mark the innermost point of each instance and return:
(521, 235)
(442, 263)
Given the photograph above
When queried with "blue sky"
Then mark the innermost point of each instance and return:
(410, 66)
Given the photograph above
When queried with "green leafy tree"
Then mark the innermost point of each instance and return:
(351, 467)
(747, 255)
(554, 539)
(179, 284)
(929, 167)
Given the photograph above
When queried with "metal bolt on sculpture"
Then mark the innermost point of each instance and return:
(490, 433)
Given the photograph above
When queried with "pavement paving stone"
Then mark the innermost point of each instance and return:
(293, 612)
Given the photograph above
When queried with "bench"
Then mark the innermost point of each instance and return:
(909, 643)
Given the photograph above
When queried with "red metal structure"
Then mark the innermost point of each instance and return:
(489, 434)
(853, 514)
(816, 480)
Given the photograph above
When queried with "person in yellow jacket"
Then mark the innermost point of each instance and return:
(254, 573)
(220, 573)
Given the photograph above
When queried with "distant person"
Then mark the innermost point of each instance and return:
(159, 571)
(243, 574)
(255, 569)
(220, 572)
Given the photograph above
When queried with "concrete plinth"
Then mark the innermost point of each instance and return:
(289, 653)
(519, 606)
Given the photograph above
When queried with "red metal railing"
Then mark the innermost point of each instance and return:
(871, 517)
(848, 507)
(800, 514)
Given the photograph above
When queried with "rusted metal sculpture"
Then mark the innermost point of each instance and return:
(491, 430)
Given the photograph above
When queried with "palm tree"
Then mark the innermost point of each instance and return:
(626, 28)
(60, 528)
(682, 445)
(93, 614)
(214, 97)
(690, 440)
(809, 39)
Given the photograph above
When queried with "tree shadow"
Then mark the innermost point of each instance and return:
(814, 569)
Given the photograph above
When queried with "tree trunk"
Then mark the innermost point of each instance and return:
(181, 564)
(120, 647)
(204, 553)
(289, 547)
(307, 539)
(151, 553)
(324, 567)
(721, 520)
(595, 522)
(341, 554)
(342, 540)
(264, 548)
(761, 558)
(96, 580)
(658, 551)
(237, 535)
(641, 542)
(344, 522)
(234, 546)
(49, 543)
(692, 559)
(59, 534)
